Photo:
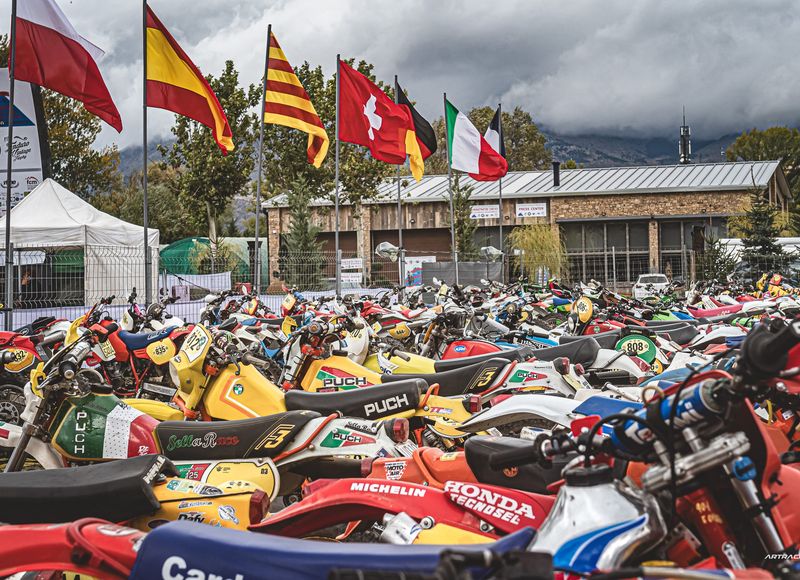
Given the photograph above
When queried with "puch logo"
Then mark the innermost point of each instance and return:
(344, 381)
(176, 568)
(275, 437)
(81, 426)
(489, 503)
(485, 377)
(386, 405)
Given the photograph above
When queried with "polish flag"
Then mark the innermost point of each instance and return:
(51, 54)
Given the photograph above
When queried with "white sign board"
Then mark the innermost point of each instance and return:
(538, 209)
(352, 279)
(414, 268)
(484, 212)
(352, 264)
(26, 164)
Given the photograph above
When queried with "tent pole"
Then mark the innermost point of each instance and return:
(9, 305)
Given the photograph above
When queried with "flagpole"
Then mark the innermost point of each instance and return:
(257, 261)
(148, 281)
(336, 235)
(450, 190)
(500, 195)
(401, 258)
(9, 307)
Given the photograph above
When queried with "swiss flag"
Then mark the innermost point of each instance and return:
(369, 118)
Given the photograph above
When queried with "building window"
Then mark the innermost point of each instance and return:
(682, 241)
(613, 252)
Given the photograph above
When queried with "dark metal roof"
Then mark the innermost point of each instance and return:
(694, 177)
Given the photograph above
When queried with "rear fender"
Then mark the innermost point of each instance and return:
(557, 410)
(608, 359)
(332, 502)
(42, 452)
(326, 437)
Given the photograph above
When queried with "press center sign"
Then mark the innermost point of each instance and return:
(484, 212)
(538, 209)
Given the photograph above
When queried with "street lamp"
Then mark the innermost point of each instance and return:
(389, 251)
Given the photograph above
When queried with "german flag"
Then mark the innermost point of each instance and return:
(174, 83)
(287, 103)
(422, 129)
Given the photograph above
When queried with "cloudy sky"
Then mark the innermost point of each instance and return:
(580, 66)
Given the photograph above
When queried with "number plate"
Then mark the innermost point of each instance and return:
(405, 449)
(108, 350)
(195, 343)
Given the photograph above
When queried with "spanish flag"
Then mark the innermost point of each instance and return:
(287, 103)
(174, 83)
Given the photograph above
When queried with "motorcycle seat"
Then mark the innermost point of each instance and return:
(35, 326)
(719, 311)
(364, 403)
(535, 478)
(135, 341)
(514, 354)
(606, 339)
(680, 335)
(654, 324)
(115, 491)
(470, 379)
(579, 352)
(242, 439)
(228, 553)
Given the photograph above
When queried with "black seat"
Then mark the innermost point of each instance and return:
(534, 478)
(364, 403)
(656, 323)
(258, 437)
(471, 379)
(229, 324)
(608, 339)
(681, 335)
(115, 491)
(579, 352)
(515, 354)
(35, 326)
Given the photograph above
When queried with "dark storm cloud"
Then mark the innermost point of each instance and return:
(582, 66)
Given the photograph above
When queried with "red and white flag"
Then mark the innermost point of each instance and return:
(51, 54)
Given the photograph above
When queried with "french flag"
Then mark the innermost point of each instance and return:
(51, 54)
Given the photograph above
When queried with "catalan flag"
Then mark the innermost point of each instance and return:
(174, 83)
(287, 103)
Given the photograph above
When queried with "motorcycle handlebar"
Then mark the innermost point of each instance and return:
(53, 338)
(764, 354)
(7, 357)
(517, 456)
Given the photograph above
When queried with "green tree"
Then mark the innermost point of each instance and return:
(72, 131)
(571, 164)
(464, 226)
(760, 232)
(301, 258)
(206, 180)
(542, 248)
(773, 143)
(717, 262)
(525, 144)
(167, 213)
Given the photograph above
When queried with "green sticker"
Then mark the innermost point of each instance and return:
(637, 345)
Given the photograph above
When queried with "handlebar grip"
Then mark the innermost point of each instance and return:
(522, 455)
(72, 361)
(402, 356)
(7, 357)
(249, 359)
(764, 354)
(53, 338)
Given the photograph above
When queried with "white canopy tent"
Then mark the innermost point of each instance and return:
(51, 216)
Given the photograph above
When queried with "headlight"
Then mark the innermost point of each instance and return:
(173, 375)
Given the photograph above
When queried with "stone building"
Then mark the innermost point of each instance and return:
(629, 220)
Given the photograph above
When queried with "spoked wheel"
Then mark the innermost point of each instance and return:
(12, 403)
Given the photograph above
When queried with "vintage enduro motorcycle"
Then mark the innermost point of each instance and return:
(142, 492)
(72, 417)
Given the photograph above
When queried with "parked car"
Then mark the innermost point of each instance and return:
(650, 285)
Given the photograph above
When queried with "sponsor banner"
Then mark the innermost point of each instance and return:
(413, 266)
(538, 209)
(352, 264)
(26, 151)
(484, 212)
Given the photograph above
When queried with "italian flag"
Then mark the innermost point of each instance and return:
(469, 151)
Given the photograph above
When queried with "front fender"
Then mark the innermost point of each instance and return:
(42, 452)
